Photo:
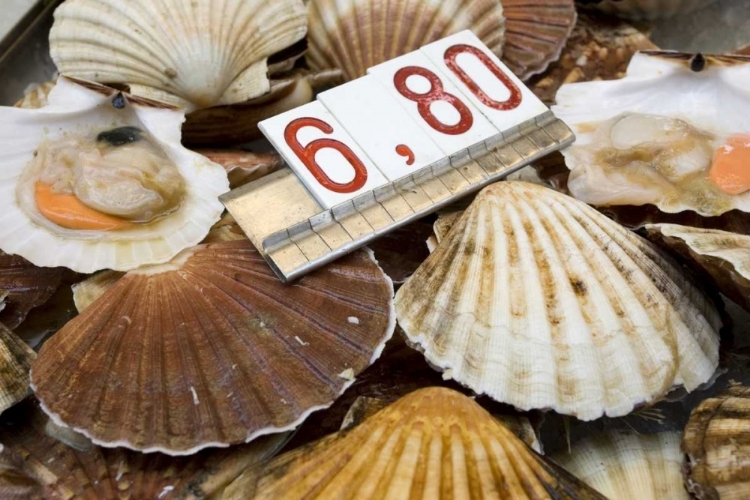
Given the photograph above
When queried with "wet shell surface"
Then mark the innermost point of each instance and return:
(539, 301)
(354, 35)
(24, 287)
(624, 465)
(433, 443)
(15, 362)
(662, 135)
(650, 9)
(535, 33)
(211, 349)
(193, 54)
(724, 256)
(715, 445)
(44, 467)
(76, 111)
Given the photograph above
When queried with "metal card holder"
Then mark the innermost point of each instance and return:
(296, 236)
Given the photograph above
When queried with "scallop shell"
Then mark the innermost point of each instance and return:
(539, 301)
(15, 361)
(712, 97)
(244, 166)
(24, 287)
(353, 35)
(717, 460)
(193, 54)
(36, 97)
(50, 469)
(74, 105)
(623, 465)
(722, 255)
(650, 9)
(535, 33)
(433, 443)
(212, 349)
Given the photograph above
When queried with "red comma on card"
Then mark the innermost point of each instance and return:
(404, 150)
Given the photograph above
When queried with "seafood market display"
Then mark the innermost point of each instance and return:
(187, 310)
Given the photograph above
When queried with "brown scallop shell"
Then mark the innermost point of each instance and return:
(244, 166)
(535, 33)
(15, 362)
(38, 466)
(212, 349)
(26, 285)
(433, 443)
(715, 444)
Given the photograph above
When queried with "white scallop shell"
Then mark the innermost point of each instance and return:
(198, 54)
(81, 106)
(711, 96)
(540, 301)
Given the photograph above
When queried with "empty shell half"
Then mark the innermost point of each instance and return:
(194, 54)
(675, 133)
(354, 35)
(433, 443)
(539, 301)
(211, 349)
(724, 256)
(15, 362)
(624, 465)
(98, 179)
(714, 443)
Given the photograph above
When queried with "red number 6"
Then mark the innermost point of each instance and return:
(435, 94)
(307, 155)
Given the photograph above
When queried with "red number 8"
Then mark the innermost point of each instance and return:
(435, 94)
(307, 155)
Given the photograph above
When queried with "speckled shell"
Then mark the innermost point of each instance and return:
(77, 105)
(714, 443)
(539, 301)
(650, 9)
(625, 465)
(724, 256)
(244, 166)
(212, 349)
(46, 468)
(15, 361)
(194, 54)
(353, 35)
(433, 443)
(535, 33)
(24, 287)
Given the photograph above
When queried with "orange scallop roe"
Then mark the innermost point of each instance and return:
(67, 211)
(730, 169)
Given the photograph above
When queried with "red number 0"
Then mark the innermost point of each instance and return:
(307, 155)
(513, 101)
(435, 94)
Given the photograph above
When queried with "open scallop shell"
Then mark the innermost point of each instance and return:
(539, 301)
(24, 287)
(48, 468)
(535, 33)
(706, 92)
(724, 256)
(353, 35)
(714, 442)
(79, 106)
(433, 443)
(624, 465)
(211, 349)
(649, 9)
(194, 54)
(15, 361)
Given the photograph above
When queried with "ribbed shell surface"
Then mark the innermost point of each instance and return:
(25, 287)
(715, 444)
(539, 301)
(198, 54)
(15, 362)
(434, 443)
(626, 465)
(212, 349)
(354, 35)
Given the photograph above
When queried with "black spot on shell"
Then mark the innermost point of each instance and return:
(579, 287)
(119, 101)
(120, 136)
(697, 63)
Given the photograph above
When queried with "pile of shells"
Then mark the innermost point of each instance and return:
(147, 350)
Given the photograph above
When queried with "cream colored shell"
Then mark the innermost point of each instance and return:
(626, 465)
(354, 35)
(540, 301)
(76, 106)
(197, 54)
